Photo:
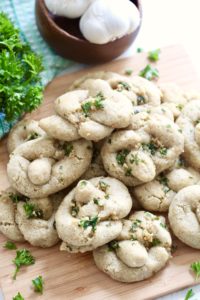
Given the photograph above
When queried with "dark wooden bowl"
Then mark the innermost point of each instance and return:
(64, 37)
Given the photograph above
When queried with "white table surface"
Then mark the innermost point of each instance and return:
(167, 22)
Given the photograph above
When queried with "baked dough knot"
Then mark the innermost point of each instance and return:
(92, 112)
(141, 249)
(159, 193)
(90, 215)
(25, 130)
(44, 166)
(184, 216)
(149, 146)
(189, 122)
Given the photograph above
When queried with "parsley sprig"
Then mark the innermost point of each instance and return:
(23, 258)
(20, 67)
(195, 267)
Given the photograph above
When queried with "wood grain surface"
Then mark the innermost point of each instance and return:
(71, 276)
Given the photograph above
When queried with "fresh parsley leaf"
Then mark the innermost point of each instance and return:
(189, 294)
(38, 283)
(113, 245)
(149, 73)
(136, 223)
(20, 82)
(32, 211)
(96, 201)
(195, 266)
(18, 297)
(121, 156)
(68, 148)
(92, 221)
(10, 245)
(86, 108)
(154, 55)
(23, 258)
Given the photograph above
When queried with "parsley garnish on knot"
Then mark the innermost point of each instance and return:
(121, 156)
(95, 103)
(92, 221)
(32, 211)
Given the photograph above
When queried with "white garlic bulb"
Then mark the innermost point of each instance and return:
(68, 8)
(107, 20)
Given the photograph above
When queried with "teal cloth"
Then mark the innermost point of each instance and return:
(22, 13)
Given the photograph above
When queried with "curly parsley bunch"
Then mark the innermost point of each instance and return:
(20, 67)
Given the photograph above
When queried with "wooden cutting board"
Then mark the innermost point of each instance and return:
(71, 276)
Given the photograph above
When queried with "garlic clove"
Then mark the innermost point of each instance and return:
(68, 8)
(105, 21)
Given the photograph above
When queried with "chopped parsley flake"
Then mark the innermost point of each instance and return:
(16, 198)
(139, 50)
(136, 223)
(122, 85)
(154, 55)
(83, 183)
(18, 297)
(103, 186)
(10, 245)
(32, 211)
(97, 103)
(33, 136)
(38, 283)
(180, 106)
(155, 242)
(92, 221)
(128, 172)
(121, 156)
(140, 100)
(98, 100)
(149, 73)
(74, 210)
(23, 258)
(128, 72)
(96, 201)
(68, 149)
(163, 151)
(113, 245)
(134, 159)
(150, 147)
(195, 266)
(86, 108)
(189, 294)
(163, 225)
